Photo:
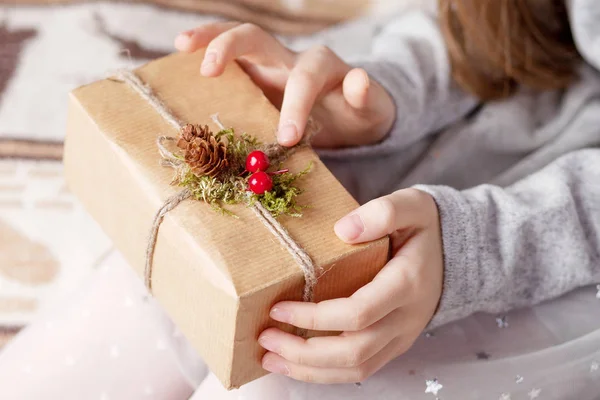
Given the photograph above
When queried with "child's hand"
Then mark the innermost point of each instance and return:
(351, 109)
(381, 320)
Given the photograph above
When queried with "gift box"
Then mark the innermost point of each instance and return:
(216, 275)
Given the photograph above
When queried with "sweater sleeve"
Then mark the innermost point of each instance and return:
(409, 59)
(515, 247)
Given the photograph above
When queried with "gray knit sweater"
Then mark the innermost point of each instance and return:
(517, 182)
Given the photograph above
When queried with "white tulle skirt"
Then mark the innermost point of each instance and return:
(110, 341)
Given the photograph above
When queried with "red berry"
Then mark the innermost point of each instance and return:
(260, 182)
(257, 161)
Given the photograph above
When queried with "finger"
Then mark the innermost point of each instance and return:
(356, 88)
(344, 351)
(200, 37)
(367, 97)
(389, 290)
(244, 40)
(315, 70)
(378, 218)
(275, 363)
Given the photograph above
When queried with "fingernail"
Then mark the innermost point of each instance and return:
(210, 59)
(269, 344)
(183, 39)
(366, 79)
(350, 227)
(281, 315)
(288, 133)
(276, 367)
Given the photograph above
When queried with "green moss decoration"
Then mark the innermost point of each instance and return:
(238, 149)
(230, 186)
(282, 199)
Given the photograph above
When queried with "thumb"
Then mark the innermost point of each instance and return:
(366, 95)
(357, 88)
(378, 218)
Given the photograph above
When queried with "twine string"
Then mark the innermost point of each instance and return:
(298, 253)
(169, 205)
(147, 94)
(276, 153)
(169, 159)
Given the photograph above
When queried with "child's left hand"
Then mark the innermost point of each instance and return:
(381, 320)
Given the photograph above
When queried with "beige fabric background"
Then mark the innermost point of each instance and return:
(284, 16)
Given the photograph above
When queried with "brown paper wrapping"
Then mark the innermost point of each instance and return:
(216, 276)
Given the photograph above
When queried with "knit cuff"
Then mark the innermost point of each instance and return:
(460, 235)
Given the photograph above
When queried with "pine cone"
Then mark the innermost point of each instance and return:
(204, 153)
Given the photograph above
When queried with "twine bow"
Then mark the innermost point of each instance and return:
(275, 152)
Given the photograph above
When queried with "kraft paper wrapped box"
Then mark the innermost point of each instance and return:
(216, 276)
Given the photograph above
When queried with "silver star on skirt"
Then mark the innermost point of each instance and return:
(502, 322)
(433, 386)
(534, 393)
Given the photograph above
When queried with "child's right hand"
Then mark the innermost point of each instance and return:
(352, 109)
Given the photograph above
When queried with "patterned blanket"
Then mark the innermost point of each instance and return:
(48, 47)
